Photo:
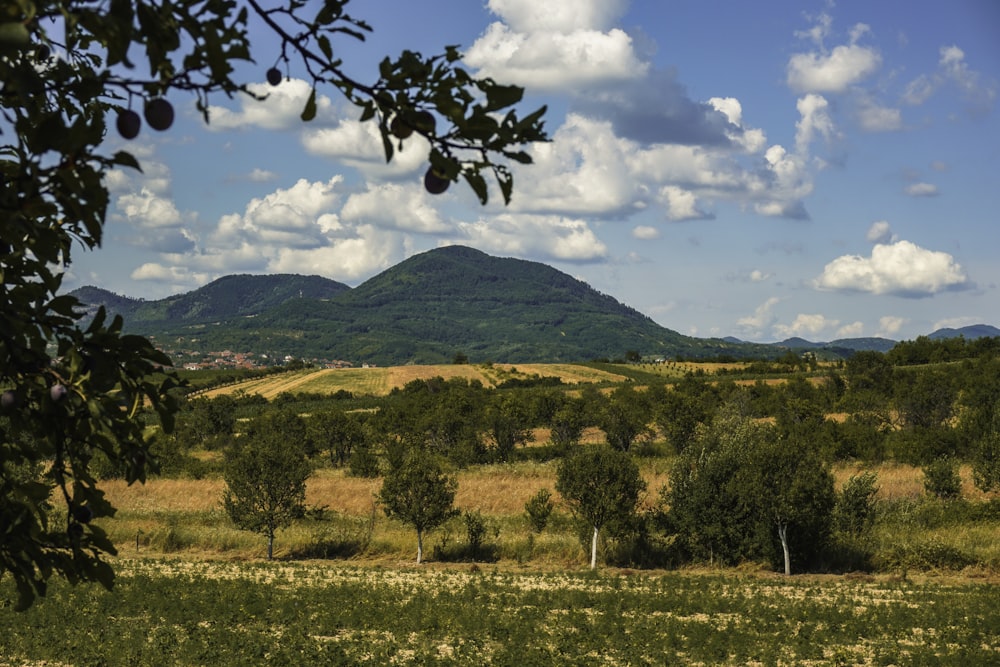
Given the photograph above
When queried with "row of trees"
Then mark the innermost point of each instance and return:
(870, 412)
(740, 492)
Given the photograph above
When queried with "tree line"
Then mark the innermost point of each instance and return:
(750, 462)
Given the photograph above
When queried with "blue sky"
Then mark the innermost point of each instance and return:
(759, 170)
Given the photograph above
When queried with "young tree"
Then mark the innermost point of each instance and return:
(507, 420)
(72, 71)
(624, 417)
(421, 493)
(601, 485)
(265, 484)
(742, 493)
(336, 432)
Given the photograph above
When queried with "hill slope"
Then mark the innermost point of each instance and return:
(425, 309)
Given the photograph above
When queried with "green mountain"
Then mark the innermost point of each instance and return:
(227, 297)
(425, 309)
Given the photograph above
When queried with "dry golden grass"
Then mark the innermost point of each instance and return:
(898, 481)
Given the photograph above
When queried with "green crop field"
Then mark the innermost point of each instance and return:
(164, 612)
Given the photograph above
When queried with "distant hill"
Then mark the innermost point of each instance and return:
(429, 308)
(227, 297)
(425, 309)
(971, 332)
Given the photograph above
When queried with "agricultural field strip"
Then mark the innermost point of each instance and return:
(821, 589)
(379, 381)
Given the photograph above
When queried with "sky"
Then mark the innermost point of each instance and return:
(760, 170)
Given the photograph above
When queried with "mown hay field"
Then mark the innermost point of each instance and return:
(379, 381)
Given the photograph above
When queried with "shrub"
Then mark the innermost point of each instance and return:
(539, 508)
(941, 479)
(855, 509)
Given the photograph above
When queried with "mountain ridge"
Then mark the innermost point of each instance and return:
(426, 309)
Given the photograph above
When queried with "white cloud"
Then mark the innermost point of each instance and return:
(148, 210)
(834, 71)
(758, 276)
(880, 232)
(175, 275)
(393, 206)
(547, 237)
(889, 326)
(852, 330)
(359, 145)
(953, 69)
(559, 15)
(680, 204)
(368, 250)
(805, 325)
(922, 190)
(901, 268)
(296, 217)
(763, 317)
(645, 232)
(876, 118)
(815, 120)
(555, 45)
(280, 110)
(554, 61)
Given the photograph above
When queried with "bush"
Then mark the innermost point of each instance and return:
(941, 479)
(364, 463)
(539, 508)
(854, 512)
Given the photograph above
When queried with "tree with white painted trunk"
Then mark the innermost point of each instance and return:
(601, 485)
(421, 493)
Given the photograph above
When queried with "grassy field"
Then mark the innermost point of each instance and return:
(180, 612)
(185, 517)
(380, 381)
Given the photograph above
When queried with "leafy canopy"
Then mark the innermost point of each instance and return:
(70, 71)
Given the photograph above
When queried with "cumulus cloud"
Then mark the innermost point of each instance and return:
(805, 325)
(762, 318)
(852, 330)
(393, 206)
(645, 232)
(657, 109)
(901, 268)
(880, 232)
(832, 71)
(359, 145)
(556, 45)
(922, 190)
(889, 326)
(280, 108)
(544, 237)
(296, 217)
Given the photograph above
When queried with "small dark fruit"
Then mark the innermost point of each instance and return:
(128, 124)
(399, 128)
(57, 392)
(9, 400)
(159, 114)
(425, 122)
(43, 52)
(274, 76)
(83, 514)
(435, 182)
